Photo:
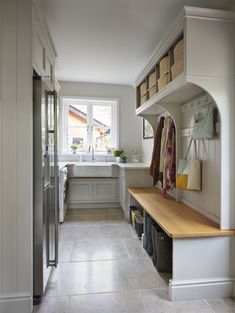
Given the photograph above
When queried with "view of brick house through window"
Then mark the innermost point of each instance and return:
(89, 122)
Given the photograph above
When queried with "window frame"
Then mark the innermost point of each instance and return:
(63, 122)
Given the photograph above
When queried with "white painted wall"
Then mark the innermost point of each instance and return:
(15, 156)
(147, 144)
(208, 200)
(130, 124)
(146, 150)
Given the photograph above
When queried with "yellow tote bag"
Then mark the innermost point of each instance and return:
(182, 174)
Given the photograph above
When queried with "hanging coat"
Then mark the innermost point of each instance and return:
(154, 167)
(169, 159)
(163, 148)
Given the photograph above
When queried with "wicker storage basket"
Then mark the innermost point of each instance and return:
(152, 80)
(176, 69)
(143, 99)
(152, 91)
(178, 52)
(164, 66)
(162, 82)
(143, 89)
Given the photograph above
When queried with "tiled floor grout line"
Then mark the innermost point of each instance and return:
(104, 260)
(126, 248)
(70, 259)
(104, 293)
(142, 300)
(90, 261)
(88, 294)
(212, 310)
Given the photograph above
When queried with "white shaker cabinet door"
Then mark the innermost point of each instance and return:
(105, 190)
(80, 191)
(122, 190)
(49, 71)
(39, 55)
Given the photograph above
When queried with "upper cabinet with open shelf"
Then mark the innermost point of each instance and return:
(194, 47)
(170, 65)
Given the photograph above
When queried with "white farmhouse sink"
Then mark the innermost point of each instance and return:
(90, 169)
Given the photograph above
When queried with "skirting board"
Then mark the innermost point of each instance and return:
(97, 205)
(195, 290)
(16, 303)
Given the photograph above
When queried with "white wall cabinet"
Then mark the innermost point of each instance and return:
(39, 55)
(95, 192)
(50, 71)
(44, 53)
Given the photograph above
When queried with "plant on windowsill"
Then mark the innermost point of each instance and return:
(117, 153)
(74, 148)
(123, 158)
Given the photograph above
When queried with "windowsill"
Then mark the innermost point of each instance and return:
(85, 157)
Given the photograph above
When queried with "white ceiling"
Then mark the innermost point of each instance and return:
(108, 41)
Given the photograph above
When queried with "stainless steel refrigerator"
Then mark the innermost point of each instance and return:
(45, 186)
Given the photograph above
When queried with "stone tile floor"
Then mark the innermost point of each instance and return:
(103, 269)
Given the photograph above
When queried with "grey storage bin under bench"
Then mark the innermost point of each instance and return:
(157, 244)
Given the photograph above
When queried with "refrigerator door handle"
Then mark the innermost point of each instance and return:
(56, 226)
(53, 261)
(56, 183)
(47, 223)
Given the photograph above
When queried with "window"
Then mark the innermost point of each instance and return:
(87, 122)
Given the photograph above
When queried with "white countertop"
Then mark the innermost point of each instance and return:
(132, 166)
